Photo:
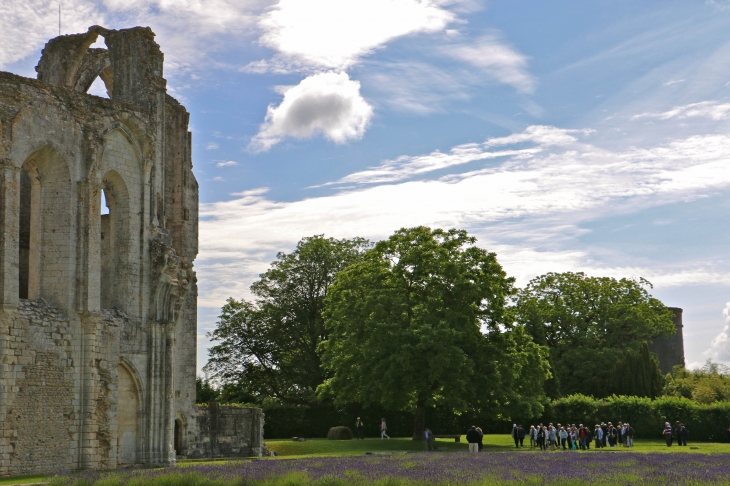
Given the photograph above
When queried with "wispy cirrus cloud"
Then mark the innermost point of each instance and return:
(405, 167)
(713, 110)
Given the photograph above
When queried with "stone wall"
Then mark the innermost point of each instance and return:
(228, 431)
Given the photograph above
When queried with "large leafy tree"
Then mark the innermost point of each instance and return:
(268, 347)
(423, 320)
(637, 374)
(589, 323)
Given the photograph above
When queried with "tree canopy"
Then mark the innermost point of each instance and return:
(707, 385)
(268, 347)
(637, 375)
(589, 323)
(423, 320)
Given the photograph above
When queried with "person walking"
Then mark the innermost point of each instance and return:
(358, 427)
(383, 428)
(428, 440)
(667, 434)
(472, 437)
(521, 435)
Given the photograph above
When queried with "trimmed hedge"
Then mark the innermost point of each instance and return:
(339, 433)
(646, 416)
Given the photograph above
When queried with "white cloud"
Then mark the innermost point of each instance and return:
(720, 347)
(495, 59)
(335, 34)
(708, 109)
(212, 146)
(551, 192)
(327, 104)
(226, 163)
(409, 166)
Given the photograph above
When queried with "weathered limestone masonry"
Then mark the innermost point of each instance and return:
(228, 431)
(97, 311)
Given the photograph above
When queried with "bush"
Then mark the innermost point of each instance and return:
(646, 416)
(339, 433)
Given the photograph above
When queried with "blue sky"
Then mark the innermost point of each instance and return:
(584, 136)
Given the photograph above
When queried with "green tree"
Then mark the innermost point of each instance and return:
(588, 323)
(423, 321)
(268, 347)
(707, 385)
(204, 392)
(636, 375)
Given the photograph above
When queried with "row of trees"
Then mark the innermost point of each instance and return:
(428, 319)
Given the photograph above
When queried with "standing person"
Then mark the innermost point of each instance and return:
(599, 436)
(604, 428)
(521, 435)
(358, 427)
(630, 434)
(383, 428)
(472, 437)
(569, 430)
(514, 435)
(582, 437)
(481, 439)
(552, 437)
(533, 436)
(682, 434)
(563, 434)
(667, 434)
(541, 438)
(428, 440)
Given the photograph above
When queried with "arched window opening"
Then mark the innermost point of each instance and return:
(98, 88)
(108, 246)
(29, 233)
(128, 404)
(178, 437)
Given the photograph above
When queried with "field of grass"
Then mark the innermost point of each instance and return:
(492, 443)
(317, 456)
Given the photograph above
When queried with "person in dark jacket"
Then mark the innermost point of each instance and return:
(481, 439)
(472, 437)
(682, 434)
(513, 434)
(604, 428)
(521, 435)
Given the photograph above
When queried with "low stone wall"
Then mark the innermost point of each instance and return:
(228, 431)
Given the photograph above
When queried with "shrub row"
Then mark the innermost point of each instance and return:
(646, 416)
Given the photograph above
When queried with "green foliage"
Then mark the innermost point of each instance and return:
(204, 391)
(422, 321)
(707, 385)
(268, 347)
(636, 375)
(646, 416)
(339, 433)
(588, 322)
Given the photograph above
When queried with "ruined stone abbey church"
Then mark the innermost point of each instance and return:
(97, 305)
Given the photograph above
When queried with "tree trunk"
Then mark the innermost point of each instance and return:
(419, 423)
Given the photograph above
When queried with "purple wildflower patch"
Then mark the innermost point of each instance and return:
(461, 468)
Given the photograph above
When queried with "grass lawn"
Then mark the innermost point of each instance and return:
(23, 480)
(492, 443)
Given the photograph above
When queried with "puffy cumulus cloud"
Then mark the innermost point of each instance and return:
(408, 166)
(495, 59)
(335, 34)
(706, 109)
(328, 104)
(720, 347)
(515, 206)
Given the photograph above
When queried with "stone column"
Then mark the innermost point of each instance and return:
(9, 211)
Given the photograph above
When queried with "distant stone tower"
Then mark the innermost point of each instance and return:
(670, 350)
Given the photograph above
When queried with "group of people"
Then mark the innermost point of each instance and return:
(570, 437)
(680, 431)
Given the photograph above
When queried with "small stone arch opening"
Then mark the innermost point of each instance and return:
(128, 416)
